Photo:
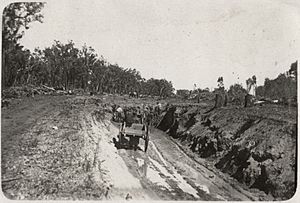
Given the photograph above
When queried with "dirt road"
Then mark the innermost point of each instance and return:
(62, 148)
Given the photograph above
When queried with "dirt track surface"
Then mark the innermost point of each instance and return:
(62, 148)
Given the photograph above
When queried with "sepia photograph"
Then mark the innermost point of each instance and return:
(150, 100)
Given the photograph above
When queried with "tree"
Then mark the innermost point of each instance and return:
(220, 83)
(64, 65)
(292, 72)
(283, 87)
(183, 93)
(16, 17)
(157, 87)
(236, 94)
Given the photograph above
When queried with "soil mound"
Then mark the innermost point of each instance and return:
(256, 145)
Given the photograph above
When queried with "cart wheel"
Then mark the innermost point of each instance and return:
(146, 142)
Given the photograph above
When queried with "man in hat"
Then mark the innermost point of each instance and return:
(120, 114)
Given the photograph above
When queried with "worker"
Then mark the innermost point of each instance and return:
(120, 114)
(139, 114)
(113, 109)
(129, 117)
(251, 91)
(147, 117)
(157, 109)
(159, 106)
(173, 129)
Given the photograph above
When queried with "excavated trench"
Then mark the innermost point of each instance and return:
(256, 146)
(171, 174)
(258, 151)
(68, 152)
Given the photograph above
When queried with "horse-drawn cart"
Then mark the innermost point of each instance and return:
(130, 136)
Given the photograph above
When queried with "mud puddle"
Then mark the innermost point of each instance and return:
(157, 174)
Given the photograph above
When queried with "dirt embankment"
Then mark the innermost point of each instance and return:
(50, 151)
(256, 145)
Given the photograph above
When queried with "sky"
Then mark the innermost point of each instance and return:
(185, 41)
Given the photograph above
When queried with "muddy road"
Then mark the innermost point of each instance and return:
(62, 148)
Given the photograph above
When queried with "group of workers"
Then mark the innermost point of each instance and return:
(141, 114)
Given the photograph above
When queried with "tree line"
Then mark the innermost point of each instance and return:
(282, 88)
(62, 64)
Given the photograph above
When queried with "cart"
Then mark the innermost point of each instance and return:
(130, 136)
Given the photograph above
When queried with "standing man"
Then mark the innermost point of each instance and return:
(120, 114)
(114, 108)
(147, 117)
(156, 109)
(129, 117)
(139, 114)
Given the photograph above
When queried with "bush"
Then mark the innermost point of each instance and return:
(236, 94)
